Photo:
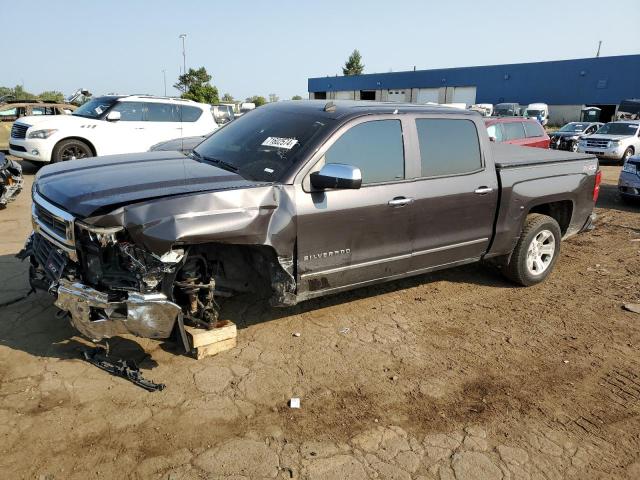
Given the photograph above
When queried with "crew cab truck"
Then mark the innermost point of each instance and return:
(297, 200)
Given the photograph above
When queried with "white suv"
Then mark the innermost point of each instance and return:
(109, 125)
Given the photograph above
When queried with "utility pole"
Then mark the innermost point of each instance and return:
(599, 45)
(184, 55)
(164, 76)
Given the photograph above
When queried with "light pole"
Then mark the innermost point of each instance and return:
(164, 76)
(184, 55)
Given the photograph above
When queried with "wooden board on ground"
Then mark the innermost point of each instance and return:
(205, 343)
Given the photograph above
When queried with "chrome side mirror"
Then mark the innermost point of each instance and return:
(336, 175)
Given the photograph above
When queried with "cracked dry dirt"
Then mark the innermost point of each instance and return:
(453, 375)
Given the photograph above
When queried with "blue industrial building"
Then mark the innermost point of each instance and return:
(565, 85)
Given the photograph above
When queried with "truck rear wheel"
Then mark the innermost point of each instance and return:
(536, 251)
(70, 149)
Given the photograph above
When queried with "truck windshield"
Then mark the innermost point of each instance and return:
(533, 113)
(504, 111)
(573, 127)
(619, 129)
(263, 144)
(95, 108)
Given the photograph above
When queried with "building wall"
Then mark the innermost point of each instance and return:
(604, 80)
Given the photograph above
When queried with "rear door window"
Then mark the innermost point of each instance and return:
(513, 130)
(448, 146)
(533, 129)
(161, 112)
(374, 147)
(8, 114)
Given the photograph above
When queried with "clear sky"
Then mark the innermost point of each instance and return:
(261, 47)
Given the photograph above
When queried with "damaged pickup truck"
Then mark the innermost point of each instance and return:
(292, 201)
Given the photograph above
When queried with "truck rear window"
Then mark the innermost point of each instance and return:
(448, 146)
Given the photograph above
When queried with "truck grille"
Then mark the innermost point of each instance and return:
(49, 257)
(54, 224)
(19, 130)
(597, 143)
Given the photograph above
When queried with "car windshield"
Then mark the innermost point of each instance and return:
(619, 129)
(503, 110)
(95, 108)
(263, 144)
(533, 113)
(574, 127)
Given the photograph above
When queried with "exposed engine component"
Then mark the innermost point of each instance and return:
(11, 180)
(194, 290)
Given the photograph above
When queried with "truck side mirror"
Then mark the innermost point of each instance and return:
(336, 175)
(113, 116)
(492, 139)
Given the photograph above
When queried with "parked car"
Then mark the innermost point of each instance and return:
(108, 125)
(507, 110)
(629, 109)
(614, 141)
(183, 145)
(525, 132)
(297, 200)
(11, 180)
(539, 111)
(12, 110)
(629, 181)
(568, 136)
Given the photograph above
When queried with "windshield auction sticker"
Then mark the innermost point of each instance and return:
(286, 143)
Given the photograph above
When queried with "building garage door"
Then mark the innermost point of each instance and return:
(345, 95)
(461, 95)
(397, 96)
(426, 95)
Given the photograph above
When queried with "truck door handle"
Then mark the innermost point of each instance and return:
(399, 201)
(483, 190)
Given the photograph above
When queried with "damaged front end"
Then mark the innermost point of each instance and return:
(11, 180)
(110, 284)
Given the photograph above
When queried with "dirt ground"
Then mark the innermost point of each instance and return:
(451, 375)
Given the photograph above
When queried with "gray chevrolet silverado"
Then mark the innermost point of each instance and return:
(292, 201)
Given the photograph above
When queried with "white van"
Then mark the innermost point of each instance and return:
(109, 125)
(539, 111)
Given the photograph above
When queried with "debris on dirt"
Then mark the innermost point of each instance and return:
(565, 361)
(294, 403)
(121, 368)
(344, 330)
(296, 334)
(632, 307)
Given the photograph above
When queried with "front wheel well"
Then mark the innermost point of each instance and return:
(80, 139)
(560, 211)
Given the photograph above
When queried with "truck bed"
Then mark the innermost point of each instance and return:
(510, 156)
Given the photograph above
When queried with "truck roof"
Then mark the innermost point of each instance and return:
(339, 109)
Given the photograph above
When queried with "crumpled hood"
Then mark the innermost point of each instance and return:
(566, 134)
(95, 185)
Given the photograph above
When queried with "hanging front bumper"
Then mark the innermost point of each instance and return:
(94, 316)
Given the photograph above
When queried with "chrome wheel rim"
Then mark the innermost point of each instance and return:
(540, 252)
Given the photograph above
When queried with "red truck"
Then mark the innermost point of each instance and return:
(526, 132)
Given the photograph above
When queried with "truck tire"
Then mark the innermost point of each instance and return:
(536, 252)
(69, 150)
